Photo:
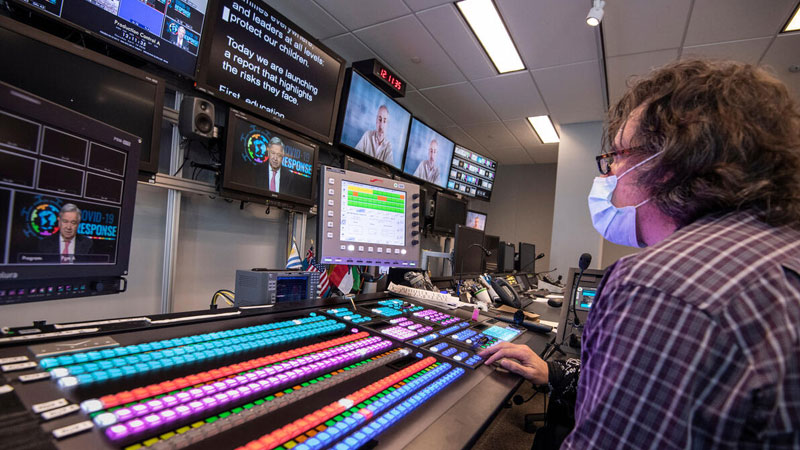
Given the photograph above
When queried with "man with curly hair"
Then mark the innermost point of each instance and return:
(694, 342)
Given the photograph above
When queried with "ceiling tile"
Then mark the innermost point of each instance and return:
(398, 41)
(421, 107)
(349, 47)
(782, 54)
(511, 156)
(355, 14)
(419, 5)
(461, 102)
(512, 95)
(492, 136)
(549, 33)
(457, 135)
(310, 17)
(749, 50)
(573, 93)
(455, 37)
(547, 154)
(620, 68)
(731, 20)
(635, 26)
(524, 133)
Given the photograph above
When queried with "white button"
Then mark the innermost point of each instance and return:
(330, 180)
(330, 213)
(330, 192)
(330, 202)
(330, 224)
(361, 248)
(369, 249)
(388, 250)
(380, 249)
(330, 235)
(403, 251)
(342, 247)
(397, 251)
(351, 247)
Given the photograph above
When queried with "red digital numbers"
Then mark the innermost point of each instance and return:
(390, 79)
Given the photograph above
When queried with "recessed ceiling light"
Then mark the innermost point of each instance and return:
(544, 129)
(794, 22)
(485, 21)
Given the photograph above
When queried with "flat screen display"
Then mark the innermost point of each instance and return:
(468, 259)
(259, 61)
(471, 174)
(267, 161)
(428, 154)
(527, 257)
(61, 214)
(91, 84)
(476, 220)
(448, 212)
(374, 124)
(166, 32)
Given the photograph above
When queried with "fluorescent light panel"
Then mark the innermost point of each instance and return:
(544, 128)
(794, 24)
(485, 21)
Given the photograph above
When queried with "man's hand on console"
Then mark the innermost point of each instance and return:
(519, 359)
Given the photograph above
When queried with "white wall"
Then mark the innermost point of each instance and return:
(521, 209)
(573, 233)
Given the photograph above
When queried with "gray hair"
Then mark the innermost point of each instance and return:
(69, 207)
(275, 140)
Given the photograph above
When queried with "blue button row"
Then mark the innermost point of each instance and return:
(453, 329)
(348, 315)
(425, 339)
(131, 365)
(78, 358)
(463, 335)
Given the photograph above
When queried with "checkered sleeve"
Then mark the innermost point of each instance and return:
(650, 363)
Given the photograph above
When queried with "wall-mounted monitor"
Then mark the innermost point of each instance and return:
(476, 219)
(67, 192)
(373, 123)
(428, 154)
(165, 32)
(449, 211)
(366, 220)
(468, 258)
(266, 161)
(471, 174)
(86, 82)
(259, 61)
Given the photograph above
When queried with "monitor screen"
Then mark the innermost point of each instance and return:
(367, 220)
(86, 82)
(374, 124)
(585, 298)
(448, 212)
(261, 62)
(161, 31)
(527, 256)
(471, 174)
(428, 154)
(476, 219)
(492, 243)
(466, 258)
(67, 191)
(267, 161)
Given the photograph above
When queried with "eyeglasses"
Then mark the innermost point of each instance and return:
(605, 160)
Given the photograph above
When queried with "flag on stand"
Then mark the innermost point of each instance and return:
(294, 261)
(346, 278)
(310, 264)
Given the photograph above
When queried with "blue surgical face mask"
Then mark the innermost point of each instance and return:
(617, 225)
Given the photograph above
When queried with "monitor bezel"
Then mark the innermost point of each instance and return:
(435, 223)
(405, 155)
(463, 193)
(485, 217)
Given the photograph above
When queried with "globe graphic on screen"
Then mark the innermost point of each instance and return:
(44, 219)
(257, 147)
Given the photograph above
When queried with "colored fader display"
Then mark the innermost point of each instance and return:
(370, 214)
(353, 372)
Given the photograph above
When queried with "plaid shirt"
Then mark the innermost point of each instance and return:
(695, 343)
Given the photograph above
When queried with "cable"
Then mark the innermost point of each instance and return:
(227, 294)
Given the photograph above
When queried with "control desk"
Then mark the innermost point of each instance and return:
(391, 373)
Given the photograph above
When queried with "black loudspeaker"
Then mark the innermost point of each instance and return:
(196, 117)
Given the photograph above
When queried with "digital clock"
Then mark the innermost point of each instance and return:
(388, 81)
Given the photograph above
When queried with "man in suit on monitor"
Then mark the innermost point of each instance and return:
(427, 169)
(375, 143)
(68, 246)
(279, 178)
(179, 38)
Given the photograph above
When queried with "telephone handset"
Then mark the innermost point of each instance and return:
(507, 294)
